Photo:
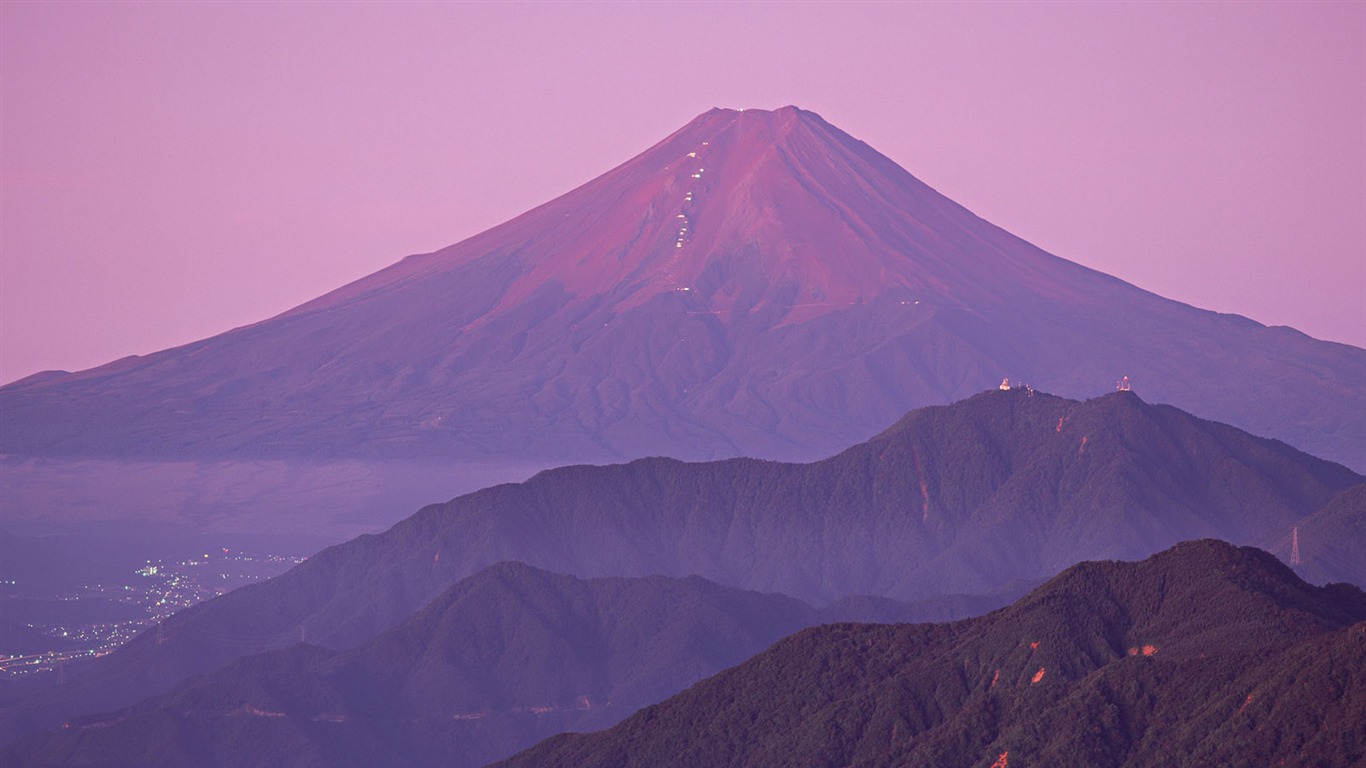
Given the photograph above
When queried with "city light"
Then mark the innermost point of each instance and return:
(159, 589)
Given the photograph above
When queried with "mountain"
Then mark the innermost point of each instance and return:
(496, 663)
(1331, 542)
(1001, 489)
(758, 283)
(1205, 654)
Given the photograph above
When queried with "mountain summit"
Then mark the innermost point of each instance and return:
(758, 283)
(776, 213)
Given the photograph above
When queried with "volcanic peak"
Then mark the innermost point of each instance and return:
(737, 211)
(758, 283)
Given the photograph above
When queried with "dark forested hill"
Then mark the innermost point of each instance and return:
(1003, 488)
(1205, 654)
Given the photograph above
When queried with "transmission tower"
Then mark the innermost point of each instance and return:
(1295, 546)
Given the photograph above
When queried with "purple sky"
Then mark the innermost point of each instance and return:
(171, 170)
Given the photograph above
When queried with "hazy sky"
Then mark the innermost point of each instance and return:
(172, 170)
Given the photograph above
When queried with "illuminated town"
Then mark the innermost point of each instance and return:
(150, 594)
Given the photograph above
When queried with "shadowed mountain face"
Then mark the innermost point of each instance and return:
(1005, 487)
(758, 283)
(1203, 655)
(1331, 543)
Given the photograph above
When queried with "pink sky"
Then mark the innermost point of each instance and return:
(172, 170)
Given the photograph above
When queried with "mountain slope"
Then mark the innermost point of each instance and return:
(498, 662)
(1332, 541)
(758, 283)
(1005, 487)
(1203, 655)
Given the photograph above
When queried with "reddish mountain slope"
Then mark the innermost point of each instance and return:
(758, 283)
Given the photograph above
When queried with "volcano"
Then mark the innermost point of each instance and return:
(758, 283)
